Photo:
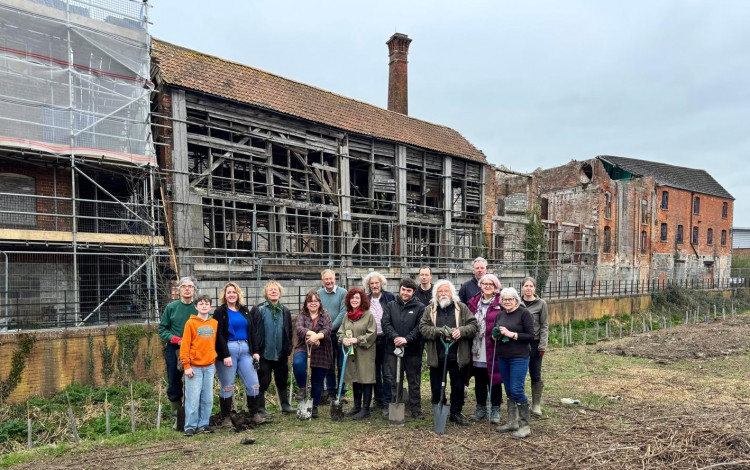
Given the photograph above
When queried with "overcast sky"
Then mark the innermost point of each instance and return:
(531, 83)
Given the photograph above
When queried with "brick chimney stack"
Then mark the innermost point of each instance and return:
(398, 97)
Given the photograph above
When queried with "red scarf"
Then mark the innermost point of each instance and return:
(354, 316)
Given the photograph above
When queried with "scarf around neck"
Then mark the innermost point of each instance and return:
(275, 309)
(354, 315)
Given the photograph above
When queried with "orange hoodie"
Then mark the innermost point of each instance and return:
(198, 347)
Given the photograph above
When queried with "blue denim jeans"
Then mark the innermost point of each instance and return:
(513, 370)
(535, 363)
(242, 364)
(299, 366)
(199, 397)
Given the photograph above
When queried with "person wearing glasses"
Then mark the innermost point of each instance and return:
(485, 306)
(514, 332)
(313, 331)
(171, 328)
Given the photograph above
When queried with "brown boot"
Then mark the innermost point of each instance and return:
(253, 405)
(225, 405)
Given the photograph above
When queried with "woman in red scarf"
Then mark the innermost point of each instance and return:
(359, 331)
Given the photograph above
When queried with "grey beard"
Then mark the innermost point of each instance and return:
(445, 303)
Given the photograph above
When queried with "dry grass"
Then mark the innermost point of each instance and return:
(692, 412)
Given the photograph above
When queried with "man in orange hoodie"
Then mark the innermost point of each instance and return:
(198, 354)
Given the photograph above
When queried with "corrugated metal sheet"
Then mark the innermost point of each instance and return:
(740, 237)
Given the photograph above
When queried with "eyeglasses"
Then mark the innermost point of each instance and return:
(487, 284)
(313, 301)
(508, 300)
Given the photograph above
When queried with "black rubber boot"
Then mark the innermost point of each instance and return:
(285, 406)
(253, 406)
(225, 405)
(262, 405)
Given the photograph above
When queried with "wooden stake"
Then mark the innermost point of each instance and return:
(28, 426)
(158, 409)
(132, 409)
(73, 426)
(106, 412)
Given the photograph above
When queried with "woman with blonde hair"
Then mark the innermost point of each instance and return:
(277, 345)
(238, 341)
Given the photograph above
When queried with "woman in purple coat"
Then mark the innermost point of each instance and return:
(485, 306)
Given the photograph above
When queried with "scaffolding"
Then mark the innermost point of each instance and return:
(79, 222)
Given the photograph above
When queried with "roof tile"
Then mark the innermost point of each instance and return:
(185, 68)
(677, 177)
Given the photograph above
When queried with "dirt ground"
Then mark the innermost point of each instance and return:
(673, 399)
(714, 339)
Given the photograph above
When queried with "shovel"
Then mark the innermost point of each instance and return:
(337, 409)
(439, 411)
(304, 408)
(396, 408)
(492, 377)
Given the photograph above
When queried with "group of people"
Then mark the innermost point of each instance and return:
(353, 339)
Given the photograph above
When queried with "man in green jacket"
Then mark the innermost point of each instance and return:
(446, 309)
(171, 327)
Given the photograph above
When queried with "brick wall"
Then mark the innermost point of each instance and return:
(51, 182)
(62, 357)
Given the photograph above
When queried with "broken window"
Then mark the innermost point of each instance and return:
(724, 210)
(424, 182)
(644, 212)
(695, 235)
(678, 238)
(663, 236)
(723, 238)
(607, 205)
(696, 205)
(665, 200)
(710, 236)
(607, 245)
(644, 241)
(18, 207)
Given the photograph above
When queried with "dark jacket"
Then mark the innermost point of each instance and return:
(254, 330)
(424, 296)
(402, 319)
(286, 345)
(466, 323)
(518, 321)
(386, 297)
(468, 290)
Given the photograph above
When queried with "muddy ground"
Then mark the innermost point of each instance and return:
(677, 398)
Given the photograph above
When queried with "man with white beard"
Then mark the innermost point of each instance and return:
(446, 309)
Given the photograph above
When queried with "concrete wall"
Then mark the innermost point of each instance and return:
(61, 357)
(563, 310)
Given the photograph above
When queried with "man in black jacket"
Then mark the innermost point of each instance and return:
(400, 322)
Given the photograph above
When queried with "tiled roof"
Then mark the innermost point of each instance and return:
(185, 68)
(678, 177)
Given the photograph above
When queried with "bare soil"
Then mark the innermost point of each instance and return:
(673, 399)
